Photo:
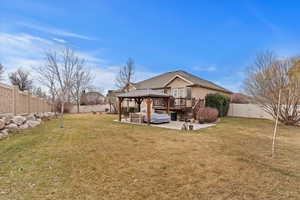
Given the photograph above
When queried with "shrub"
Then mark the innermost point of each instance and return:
(207, 114)
(219, 102)
(67, 107)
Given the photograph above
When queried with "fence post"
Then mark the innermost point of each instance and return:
(15, 99)
(44, 110)
(28, 101)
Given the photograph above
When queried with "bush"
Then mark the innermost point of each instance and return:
(67, 107)
(219, 102)
(207, 114)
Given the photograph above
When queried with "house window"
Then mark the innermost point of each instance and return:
(178, 92)
(175, 92)
(188, 93)
(181, 92)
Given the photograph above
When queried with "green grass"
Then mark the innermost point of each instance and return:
(96, 158)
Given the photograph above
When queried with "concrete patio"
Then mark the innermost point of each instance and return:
(171, 125)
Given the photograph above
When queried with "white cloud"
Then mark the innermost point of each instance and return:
(59, 40)
(204, 69)
(142, 75)
(22, 49)
(114, 67)
(233, 82)
(27, 51)
(105, 77)
(55, 31)
(233, 87)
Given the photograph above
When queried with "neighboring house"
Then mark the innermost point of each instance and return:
(188, 90)
(91, 98)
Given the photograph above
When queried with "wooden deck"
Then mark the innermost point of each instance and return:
(174, 108)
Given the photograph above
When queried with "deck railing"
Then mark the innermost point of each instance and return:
(174, 102)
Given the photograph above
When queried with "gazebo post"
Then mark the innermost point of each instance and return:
(148, 110)
(120, 108)
(168, 105)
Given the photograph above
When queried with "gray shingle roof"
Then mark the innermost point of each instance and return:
(160, 80)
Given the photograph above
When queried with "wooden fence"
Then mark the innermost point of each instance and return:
(14, 101)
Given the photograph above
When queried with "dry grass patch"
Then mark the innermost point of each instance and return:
(96, 158)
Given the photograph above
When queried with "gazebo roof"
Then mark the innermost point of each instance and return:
(143, 94)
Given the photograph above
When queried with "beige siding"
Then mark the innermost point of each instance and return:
(178, 83)
(200, 92)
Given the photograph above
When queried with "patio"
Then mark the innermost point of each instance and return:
(176, 125)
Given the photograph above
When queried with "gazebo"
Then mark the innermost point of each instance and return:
(139, 95)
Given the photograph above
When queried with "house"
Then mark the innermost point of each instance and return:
(91, 98)
(188, 90)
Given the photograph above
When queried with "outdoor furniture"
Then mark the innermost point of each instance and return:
(158, 118)
(136, 117)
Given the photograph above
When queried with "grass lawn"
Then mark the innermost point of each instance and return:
(96, 158)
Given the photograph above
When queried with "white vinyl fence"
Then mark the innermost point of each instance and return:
(247, 110)
(90, 108)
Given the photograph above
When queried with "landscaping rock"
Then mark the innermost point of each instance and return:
(3, 133)
(30, 117)
(32, 123)
(19, 120)
(24, 126)
(7, 117)
(2, 124)
(9, 122)
(12, 126)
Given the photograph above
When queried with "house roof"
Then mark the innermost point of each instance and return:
(143, 93)
(161, 80)
(92, 93)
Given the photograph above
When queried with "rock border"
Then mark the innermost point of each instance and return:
(9, 123)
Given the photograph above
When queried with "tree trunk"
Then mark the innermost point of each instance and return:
(53, 106)
(62, 115)
(77, 102)
(276, 124)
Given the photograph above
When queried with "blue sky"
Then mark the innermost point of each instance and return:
(215, 40)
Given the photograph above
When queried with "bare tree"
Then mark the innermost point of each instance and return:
(37, 91)
(47, 78)
(125, 75)
(124, 78)
(22, 79)
(82, 81)
(1, 71)
(58, 75)
(266, 79)
(275, 85)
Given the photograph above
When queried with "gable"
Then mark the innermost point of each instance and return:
(177, 82)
